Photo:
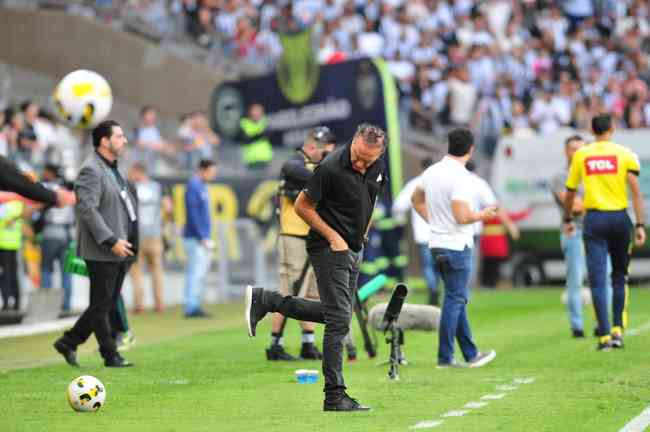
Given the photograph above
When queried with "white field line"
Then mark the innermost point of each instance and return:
(454, 413)
(475, 405)
(493, 396)
(17, 330)
(427, 424)
(638, 330)
(507, 387)
(638, 423)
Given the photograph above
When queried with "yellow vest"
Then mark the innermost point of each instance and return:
(259, 150)
(11, 225)
(290, 222)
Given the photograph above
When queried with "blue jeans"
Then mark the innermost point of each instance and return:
(455, 268)
(53, 250)
(608, 232)
(198, 264)
(574, 256)
(429, 272)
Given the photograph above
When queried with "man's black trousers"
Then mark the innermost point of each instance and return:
(9, 284)
(336, 274)
(106, 279)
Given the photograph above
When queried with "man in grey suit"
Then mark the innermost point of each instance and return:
(106, 216)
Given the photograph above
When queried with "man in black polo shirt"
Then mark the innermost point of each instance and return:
(337, 204)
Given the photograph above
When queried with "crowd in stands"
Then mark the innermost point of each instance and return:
(33, 137)
(500, 65)
(529, 66)
(521, 66)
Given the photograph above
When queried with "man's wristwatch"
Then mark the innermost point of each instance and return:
(639, 225)
(567, 219)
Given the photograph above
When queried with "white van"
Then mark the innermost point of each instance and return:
(522, 175)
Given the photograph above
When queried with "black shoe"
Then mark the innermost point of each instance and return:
(254, 308)
(343, 403)
(117, 361)
(69, 354)
(277, 352)
(578, 333)
(199, 313)
(604, 344)
(310, 352)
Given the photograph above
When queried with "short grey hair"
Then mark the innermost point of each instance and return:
(371, 134)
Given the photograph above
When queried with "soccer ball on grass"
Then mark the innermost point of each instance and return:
(86, 393)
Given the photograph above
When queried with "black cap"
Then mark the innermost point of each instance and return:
(323, 134)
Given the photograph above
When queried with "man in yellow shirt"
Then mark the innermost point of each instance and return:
(606, 169)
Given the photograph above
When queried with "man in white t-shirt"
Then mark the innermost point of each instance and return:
(421, 234)
(445, 197)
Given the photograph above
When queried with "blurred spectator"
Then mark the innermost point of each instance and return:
(30, 112)
(149, 143)
(197, 139)
(4, 142)
(462, 97)
(11, 235)
(253, 134)
(152, 205)
(28, 154)
(55, 227)
(546, 113)
(421, 233)
(197, 237)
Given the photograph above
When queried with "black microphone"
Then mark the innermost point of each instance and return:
(395, 304)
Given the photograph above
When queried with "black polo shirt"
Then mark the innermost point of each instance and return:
(344, 197)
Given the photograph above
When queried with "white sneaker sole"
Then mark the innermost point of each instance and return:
(485, 360)
(247, 309)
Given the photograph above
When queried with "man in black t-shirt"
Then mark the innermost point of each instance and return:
(337, 204)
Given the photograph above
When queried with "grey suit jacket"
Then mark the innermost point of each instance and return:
(100, 210)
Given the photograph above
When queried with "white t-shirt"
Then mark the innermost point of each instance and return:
(442, 183)
(402, 204)
(483, 197)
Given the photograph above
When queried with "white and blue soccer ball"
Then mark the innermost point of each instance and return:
(82, 99)
(86, 393)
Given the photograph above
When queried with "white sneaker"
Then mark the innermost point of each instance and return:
(481, 359)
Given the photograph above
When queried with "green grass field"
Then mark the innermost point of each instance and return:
(209, 376)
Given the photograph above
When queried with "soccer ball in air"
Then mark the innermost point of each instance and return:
(82, 99)
(86, 393)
